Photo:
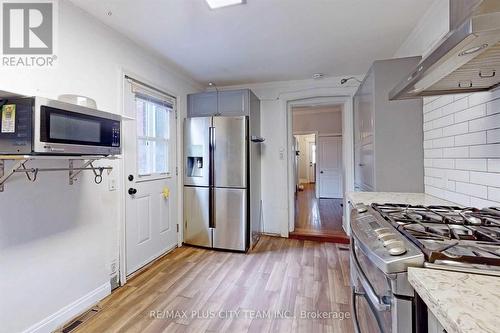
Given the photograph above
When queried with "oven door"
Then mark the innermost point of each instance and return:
(372, 299)
(63, 128)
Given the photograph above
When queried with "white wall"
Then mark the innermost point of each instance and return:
(274, 97)
(323, 122)
(57, 241)
(303, 164)
(461, 132)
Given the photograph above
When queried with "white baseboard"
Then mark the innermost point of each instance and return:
(70, 311)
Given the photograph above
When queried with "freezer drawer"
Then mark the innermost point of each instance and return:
(230, 230)
(196, 216)
(230, 154)
(197, 151)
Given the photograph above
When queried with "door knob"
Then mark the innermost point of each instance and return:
(321, 172)
(132, 191)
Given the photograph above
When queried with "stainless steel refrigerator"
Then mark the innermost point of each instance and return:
(217, 179)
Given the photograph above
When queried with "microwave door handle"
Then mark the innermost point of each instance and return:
(375, 300)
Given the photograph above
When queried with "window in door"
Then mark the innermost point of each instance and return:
(153, 137)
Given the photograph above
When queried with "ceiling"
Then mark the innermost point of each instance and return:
(264, 40)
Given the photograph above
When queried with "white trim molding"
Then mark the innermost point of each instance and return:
(71, 311)
(347, 148)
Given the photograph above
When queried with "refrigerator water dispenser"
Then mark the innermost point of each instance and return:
(195, 166)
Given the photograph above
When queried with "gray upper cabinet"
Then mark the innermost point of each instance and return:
(222, 103)
(388, 136)
(233, 103)
(202, 104)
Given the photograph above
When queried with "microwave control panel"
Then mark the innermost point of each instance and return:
(16, 126)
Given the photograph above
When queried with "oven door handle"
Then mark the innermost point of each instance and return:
(355, 318)
(377, 302)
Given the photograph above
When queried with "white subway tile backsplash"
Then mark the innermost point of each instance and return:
(493, 165)
(428, 126)
(474, 112)
(461, 199)
(485, 178)
(435, 114)
(469, 139)
(456, 152)
(456, 129)
(451, 185)
(458, 175)
(458, 105)
(433, 153)
(437, 192)
(462, 148)
(443, 121)
(444, 142)
(480, 98)
(436, 173)
(485, 123)
(494, 194)
(443, 100)
(433, 134)
(444, 163)
(471, 164)
(485, 151)
(493, 136)
(481, 203)
(493, 107)
(474, 190)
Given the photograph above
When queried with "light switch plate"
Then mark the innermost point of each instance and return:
(112, 184)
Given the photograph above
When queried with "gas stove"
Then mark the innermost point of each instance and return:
(462, 238)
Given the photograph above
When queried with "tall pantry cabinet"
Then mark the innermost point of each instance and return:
(388, 135)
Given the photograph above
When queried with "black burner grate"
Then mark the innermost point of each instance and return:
(451, 233)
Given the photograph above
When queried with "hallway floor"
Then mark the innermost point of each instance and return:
(318, 219)
(290, 278)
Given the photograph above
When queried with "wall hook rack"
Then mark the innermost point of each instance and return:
(19, 166)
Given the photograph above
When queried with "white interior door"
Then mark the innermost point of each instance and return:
(150, 160)
(330, 166)
(312, 161)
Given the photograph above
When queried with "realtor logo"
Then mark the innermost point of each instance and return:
(28, 32)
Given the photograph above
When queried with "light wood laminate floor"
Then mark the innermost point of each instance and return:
(288, 278)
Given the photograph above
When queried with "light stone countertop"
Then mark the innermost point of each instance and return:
(395, 197)
(461, 302)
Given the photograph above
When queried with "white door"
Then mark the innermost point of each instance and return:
(330, 166)
(312, 161)
(150, 160)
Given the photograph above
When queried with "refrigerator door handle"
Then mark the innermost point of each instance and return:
(211, 208)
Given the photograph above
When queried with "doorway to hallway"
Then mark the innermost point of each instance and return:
(318, 170)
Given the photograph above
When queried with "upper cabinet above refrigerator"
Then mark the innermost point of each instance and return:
(222, 103)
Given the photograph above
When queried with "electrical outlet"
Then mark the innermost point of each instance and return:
(112, 184)
(114, 267)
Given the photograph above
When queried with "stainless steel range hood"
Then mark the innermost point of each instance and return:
(467, 59)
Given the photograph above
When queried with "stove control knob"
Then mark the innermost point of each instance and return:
(361, 209)
(397, 250)
(386, 236)
(380, 231)
(392, 242)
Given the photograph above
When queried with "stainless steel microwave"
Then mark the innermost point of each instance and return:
(36, 125)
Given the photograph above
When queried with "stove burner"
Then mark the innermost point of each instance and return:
(448, 233)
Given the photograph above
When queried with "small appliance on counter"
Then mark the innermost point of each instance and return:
(40, 126)
(388, 238)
